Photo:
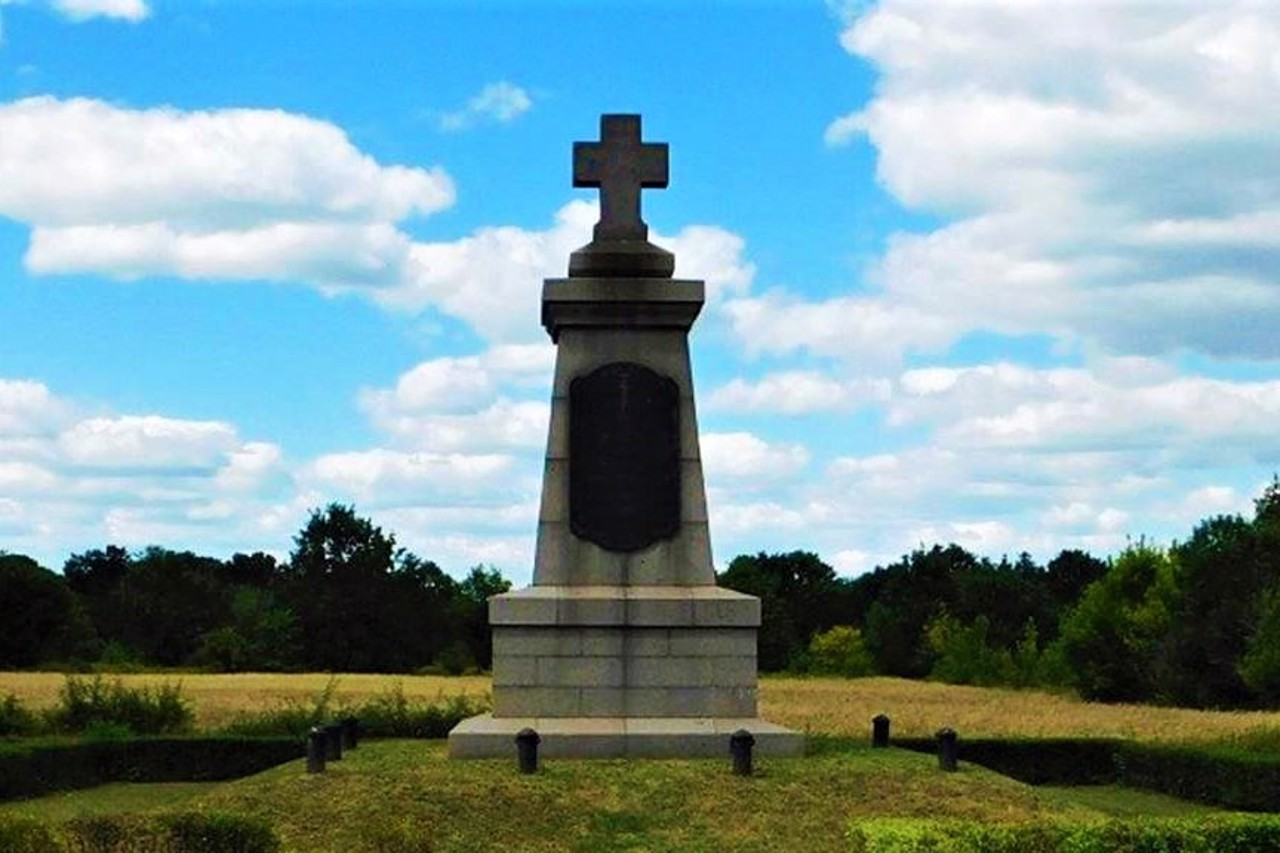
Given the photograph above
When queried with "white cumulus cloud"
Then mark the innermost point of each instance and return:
(216, 194)
(148, 441)
(737, 455)
(1076, 156)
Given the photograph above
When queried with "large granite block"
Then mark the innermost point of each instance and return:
(580, 671)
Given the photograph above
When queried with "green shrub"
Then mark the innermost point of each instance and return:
(216, 833)
(388, 714)
(1041, 761)
(172, 833)
(962, 654)
(291, 717)
(1226, 834)
(116, 657)
(456, 658)
(15, 720)
(1231, 776)
(1236, 775)
(23, 835)
(392, 714)
(36, 767)
(840, 651)
(88, 703)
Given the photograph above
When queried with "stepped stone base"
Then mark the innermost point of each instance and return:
(487, 736)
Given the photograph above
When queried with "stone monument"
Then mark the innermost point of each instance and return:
(623, 645)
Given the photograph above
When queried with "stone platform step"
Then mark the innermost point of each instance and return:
(487, 736)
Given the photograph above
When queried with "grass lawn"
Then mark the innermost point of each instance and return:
(394, 795)
(1119, 801)
(118, 798)
(410, 789)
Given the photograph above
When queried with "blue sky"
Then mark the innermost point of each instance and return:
(999, 273)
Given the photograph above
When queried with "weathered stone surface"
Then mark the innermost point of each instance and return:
(621, 737)
(656, 606)
(620, 165)
(633, 305)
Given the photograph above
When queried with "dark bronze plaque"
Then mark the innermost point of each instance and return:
(624, 456)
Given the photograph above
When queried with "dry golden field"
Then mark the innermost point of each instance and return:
(920, 708)
(816, 705)
(219, 698)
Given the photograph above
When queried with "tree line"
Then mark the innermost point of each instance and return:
(347, 600)
(1196, 623)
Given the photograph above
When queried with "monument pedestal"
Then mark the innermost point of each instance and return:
(487, 736)
(623, 671)
(623, 646)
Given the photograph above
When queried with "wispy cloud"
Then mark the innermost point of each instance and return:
(83, 10)
(500, 103)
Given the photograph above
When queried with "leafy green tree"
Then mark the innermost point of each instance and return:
(840, 651)
(1068, 574)
(337, 582)
(364, 605)
(799, 596)
(94, 576)
(43, 621)
(472, 613)
(1260, 665)
(1007, 594)
(257, 570)
(1220, 580)
(910, 593)
(963, 654)
(262, 636)
(1111, 639)
(166, 602)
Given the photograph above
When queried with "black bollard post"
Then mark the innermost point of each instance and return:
(333, 742)
(350, 732)
(879, 730)
(740, 743)
(527, 750)
(315, 750)
(947, 751)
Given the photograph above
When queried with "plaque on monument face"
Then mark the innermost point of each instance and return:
(624, 457)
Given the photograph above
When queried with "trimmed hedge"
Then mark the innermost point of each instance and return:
(1226, 834)
(1058, 761)
(1222, 775)
(1225, 776)
(36, 767)
(187, 832)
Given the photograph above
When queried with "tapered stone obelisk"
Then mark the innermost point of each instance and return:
(623, 645)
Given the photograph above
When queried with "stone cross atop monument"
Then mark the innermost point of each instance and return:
(620, 165)
(623, 645)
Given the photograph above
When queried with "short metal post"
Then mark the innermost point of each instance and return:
(315, 750)
(527, 750)
(333, 742)
(879, 730)
(947, 750)
(740, 743)
(350, 732)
